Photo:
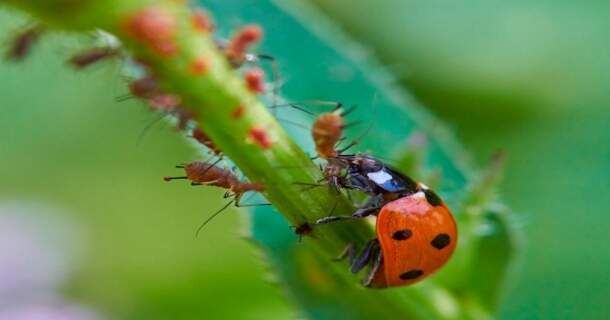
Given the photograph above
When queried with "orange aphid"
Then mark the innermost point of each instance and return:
(260, 137)
(156, 27)
(202, 21)
(202, 173)
(241, 42)
(199, 65)
(255, 80)
(203, 138)
(326, 131)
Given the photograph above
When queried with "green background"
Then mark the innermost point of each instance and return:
(531, 79)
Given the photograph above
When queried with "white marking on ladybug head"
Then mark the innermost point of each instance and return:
(379, 177)
(419, 195)
(423, 186)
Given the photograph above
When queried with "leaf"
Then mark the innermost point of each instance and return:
(317, 63)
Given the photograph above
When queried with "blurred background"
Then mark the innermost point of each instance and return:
(81, 185)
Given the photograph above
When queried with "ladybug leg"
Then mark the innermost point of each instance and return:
(377, 259)
(371, 206)
(365, 256)
(348, 252)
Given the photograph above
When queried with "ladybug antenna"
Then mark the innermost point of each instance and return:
(204, 223)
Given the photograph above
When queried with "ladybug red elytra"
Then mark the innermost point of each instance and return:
(415, 237)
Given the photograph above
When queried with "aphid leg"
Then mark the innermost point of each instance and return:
(240, 205)
(213, 216)
(365, 256)
(377, 259)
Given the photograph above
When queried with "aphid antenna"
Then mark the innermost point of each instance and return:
(294, 123)
(149, 126)
(275, 71)
(298, 105)
(366, 131)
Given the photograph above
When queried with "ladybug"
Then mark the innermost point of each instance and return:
(416, 235)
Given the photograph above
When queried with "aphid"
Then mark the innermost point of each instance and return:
(260, 137)
(155, 27)
(415, 237)
(203, 138)
(199, 65)
(21, 44)
(202, 21)
(302, 230)
(327, 131)
(201, 173)
(239, 44)
(89, 57)
(255, 80)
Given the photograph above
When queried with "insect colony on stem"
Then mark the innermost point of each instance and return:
(415, 231)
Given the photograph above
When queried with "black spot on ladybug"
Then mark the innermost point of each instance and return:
(432, 198)
(412, 274)
(402, 234)
(440, 241)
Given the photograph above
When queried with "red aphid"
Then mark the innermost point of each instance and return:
(144, 87)
(156, 27)
(201, 173)
(164, 102)
(202, 21)
(89, 57)
(184, 116)
(199, 65)
(260, 137)
(255, 80)
(203, 138)
(241, 42)
(238, 112)
(22, 43)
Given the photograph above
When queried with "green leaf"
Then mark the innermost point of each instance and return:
(319, 63)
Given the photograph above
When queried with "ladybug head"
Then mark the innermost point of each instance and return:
(367, 164)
